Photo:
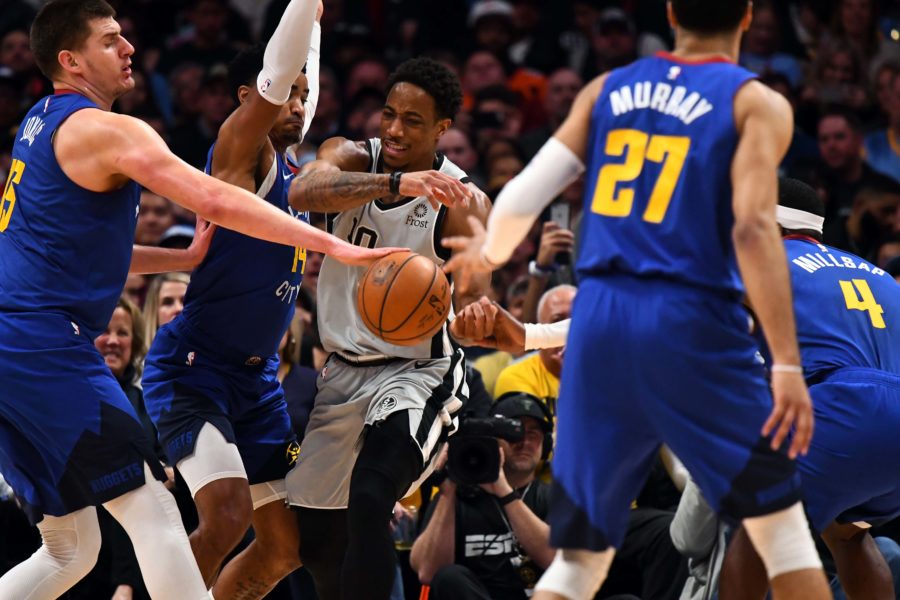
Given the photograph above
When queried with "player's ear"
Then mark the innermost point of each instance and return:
(670, 13)
(442, 126)
(748, 17)
(242, 94)
(68, 61)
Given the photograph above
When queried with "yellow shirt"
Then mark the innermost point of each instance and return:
(490, 366)
(528, 375)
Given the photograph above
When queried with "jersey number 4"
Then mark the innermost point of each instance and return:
(671, 151)
(8, 202)
(858, 296)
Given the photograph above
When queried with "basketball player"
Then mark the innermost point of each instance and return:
(382, 411)
(210, 382)
(850, 341)
(69, 438)
(681, 151)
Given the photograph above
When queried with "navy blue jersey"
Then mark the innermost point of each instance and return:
(847, 310)
(63, 249)
(241, 297)
(658, 190)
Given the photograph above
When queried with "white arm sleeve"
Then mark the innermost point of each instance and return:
(312, 76)
(546, 335)
(286, 52)
(523, 198)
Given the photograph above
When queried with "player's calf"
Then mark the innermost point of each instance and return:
(862, 570)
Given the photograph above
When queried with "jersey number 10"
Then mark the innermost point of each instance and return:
(638, 147)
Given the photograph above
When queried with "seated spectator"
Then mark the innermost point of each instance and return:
(192, 139)
(838, 77)
(457, 146)
(762, 47)
(883, 147)
(562, 87)
(496, 114)
(884, 80)
(538, 374)
(208, 43)
(492, 541)
(156, 216)
(871, 220)
(164, 302)
(889, 250)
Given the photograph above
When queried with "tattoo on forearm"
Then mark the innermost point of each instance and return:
(334, 191)
(250, 589)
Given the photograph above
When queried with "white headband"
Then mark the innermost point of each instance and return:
(792, 218)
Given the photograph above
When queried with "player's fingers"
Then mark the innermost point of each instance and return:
(803, 428)
(550, 226)
(457, 262)
(784, 428)
(476, 325)
(773, 420)
(455, 242)
(477, 228)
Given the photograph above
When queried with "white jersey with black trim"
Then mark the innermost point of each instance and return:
(409, 223)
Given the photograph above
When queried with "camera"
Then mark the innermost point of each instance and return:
(474, 455)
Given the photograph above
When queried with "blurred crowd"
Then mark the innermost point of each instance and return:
(521, 64)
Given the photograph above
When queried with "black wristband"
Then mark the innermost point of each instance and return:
(510, 497)
(394, 184)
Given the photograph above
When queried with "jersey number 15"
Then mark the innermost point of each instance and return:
(638, 147)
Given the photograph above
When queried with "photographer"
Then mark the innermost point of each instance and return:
(491, 541)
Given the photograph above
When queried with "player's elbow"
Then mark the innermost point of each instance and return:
(208, 203)
(750, 230)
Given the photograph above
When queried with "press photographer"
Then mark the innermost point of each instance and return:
(491, 541)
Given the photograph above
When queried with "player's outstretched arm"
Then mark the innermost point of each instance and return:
(151, 259)
(556, 165)
(243, 144)
(765, 123)
(335, 181)
(101, 151)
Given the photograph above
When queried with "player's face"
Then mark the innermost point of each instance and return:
(105, 59)
(524, 456)
(410, 130)
(289, 126)
(171, 301)
(114, 344)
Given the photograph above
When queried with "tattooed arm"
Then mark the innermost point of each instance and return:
(336, 181)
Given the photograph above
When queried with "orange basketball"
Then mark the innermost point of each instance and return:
(403, 298)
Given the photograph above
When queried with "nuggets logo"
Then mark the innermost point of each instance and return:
(292, 453)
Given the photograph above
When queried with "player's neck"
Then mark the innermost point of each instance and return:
(82, 87)
(425, 164)
(692, 47)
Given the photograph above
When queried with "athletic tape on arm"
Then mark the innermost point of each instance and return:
(287, 51)
(523, 198)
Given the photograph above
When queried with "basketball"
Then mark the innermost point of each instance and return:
(403, 298)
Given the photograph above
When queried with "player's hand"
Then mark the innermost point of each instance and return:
(475, 322)
(554, 239)
(437, 187)
(793, 408)
(508, 334)
(467, 257)
(123, 592)
(358, 256)
(203, 235)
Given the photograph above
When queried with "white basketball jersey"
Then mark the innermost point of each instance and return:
(408, 223)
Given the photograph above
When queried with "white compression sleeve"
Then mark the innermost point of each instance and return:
(286, 52)
(312, 77)
(553, 168)
(546, 335)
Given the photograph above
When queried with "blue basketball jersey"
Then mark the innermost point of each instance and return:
(241, 297)
(847, 310)
(63, 249)
(658, 190)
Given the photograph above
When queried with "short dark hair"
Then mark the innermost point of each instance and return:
(710, 16)
(437, 80)
(64, 25)
(244, 68)
(844, 112)
(793, 193)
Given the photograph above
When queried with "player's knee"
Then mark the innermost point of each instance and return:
(224, 519)
(323, 538)
(74, 545)
(372, 496)
(783, 541)
(576, 573)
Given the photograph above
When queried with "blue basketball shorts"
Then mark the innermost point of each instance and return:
(851, 473)
(651, 362)
(69, 437)
(187, 385)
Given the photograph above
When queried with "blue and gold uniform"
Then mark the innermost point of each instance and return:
(847, 311)
(69, 438)
(217, 361)
(660, 350)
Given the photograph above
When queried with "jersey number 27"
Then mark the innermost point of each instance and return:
(639, 147)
